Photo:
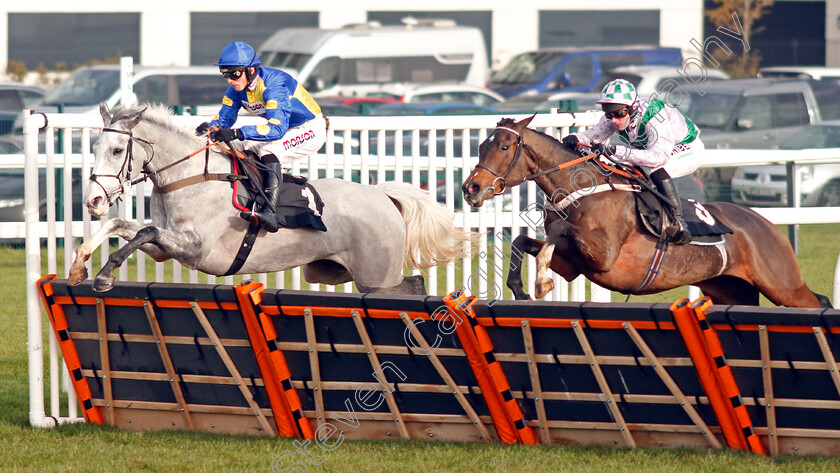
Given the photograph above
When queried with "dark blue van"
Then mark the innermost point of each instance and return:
(574, 69)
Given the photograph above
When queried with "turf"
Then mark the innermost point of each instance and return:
(82, 448)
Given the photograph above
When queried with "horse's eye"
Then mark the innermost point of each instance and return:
(118, 151)
(505, 147)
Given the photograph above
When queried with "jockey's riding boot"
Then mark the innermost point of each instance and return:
(267, 215)
(677, 231)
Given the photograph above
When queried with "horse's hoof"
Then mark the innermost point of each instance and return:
(76, 277)
(543, 288)
(103, 283)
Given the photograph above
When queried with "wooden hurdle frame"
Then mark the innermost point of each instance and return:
(367, 366)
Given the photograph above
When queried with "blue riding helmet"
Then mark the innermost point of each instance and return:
(238, 53)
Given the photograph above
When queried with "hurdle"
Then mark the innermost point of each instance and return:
(316, 365)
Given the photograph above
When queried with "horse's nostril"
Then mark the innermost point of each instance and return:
(96, 201)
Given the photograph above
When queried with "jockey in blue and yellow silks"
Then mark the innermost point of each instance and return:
(294, 128)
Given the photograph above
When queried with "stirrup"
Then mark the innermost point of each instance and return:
(677, 233)
(271, 225)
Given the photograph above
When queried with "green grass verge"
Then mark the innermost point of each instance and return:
(83, 448)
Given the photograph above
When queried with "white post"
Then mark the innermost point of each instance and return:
(837, 284)
(693, 293)
(35, 341)
(127, 81)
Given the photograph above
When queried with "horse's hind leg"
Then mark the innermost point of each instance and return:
(825, 302)
(801, 297)
(729, 290)
(410, 285)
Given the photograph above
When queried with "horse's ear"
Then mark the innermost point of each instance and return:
(105, 111)
(134, 118)
(525, 122)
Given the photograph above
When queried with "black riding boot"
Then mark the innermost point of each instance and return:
(267, 214)
(677, 230)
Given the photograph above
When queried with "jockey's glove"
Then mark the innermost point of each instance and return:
(227, 134)
(604, 149)
(571, 141)
(201, 130)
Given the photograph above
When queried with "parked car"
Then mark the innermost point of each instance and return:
(573, 69)
(747, 114)
(350, 106)
(432, 108)
(82, 90)
(14, 97)
(12, 185)
(799, 72)
(668, 82)
(450, 93)
(819, 183)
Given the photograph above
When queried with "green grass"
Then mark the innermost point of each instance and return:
(82, 448)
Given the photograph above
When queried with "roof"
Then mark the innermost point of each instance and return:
(751, 85)
(576, 49)
(664, 71)
(20, 85)
(813, 72)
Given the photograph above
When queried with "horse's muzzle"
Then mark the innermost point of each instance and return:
(473, 193)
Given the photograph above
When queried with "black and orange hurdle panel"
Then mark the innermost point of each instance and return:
(303, 364)
(508, 418)
(287, 408)
(728, 386)
(375, 366)
(784, 363)
(58, 322)
(593, 373)
(163, 356)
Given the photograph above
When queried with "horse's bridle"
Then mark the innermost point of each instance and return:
(125, 181)
(500, 178)
(520, 143)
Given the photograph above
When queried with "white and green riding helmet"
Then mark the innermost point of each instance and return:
(619, 93)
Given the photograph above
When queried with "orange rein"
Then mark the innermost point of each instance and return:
(582, 159)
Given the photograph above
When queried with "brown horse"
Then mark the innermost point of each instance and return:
(599, 235)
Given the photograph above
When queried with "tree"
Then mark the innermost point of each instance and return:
(748, 13)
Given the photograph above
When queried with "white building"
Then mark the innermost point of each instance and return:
(158, 32)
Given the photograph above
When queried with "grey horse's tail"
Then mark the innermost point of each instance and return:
(431, 235)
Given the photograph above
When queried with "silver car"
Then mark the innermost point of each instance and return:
(819, 184)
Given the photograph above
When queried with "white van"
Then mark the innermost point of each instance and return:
(359, 60)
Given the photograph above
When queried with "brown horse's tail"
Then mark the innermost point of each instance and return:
(431, 235)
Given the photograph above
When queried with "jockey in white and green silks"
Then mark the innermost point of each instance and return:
(653, 135)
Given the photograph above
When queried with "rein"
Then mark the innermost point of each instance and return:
(127, 165)
(520, 143)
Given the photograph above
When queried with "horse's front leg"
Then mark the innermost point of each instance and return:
(183, 246)
(522, 245)
(125, 229)
(544, 283)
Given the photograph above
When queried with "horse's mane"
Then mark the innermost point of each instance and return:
(156, 114)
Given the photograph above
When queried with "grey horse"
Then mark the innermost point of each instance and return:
(373, 231)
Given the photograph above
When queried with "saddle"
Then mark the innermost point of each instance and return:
(704, 227)
(300, 204)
